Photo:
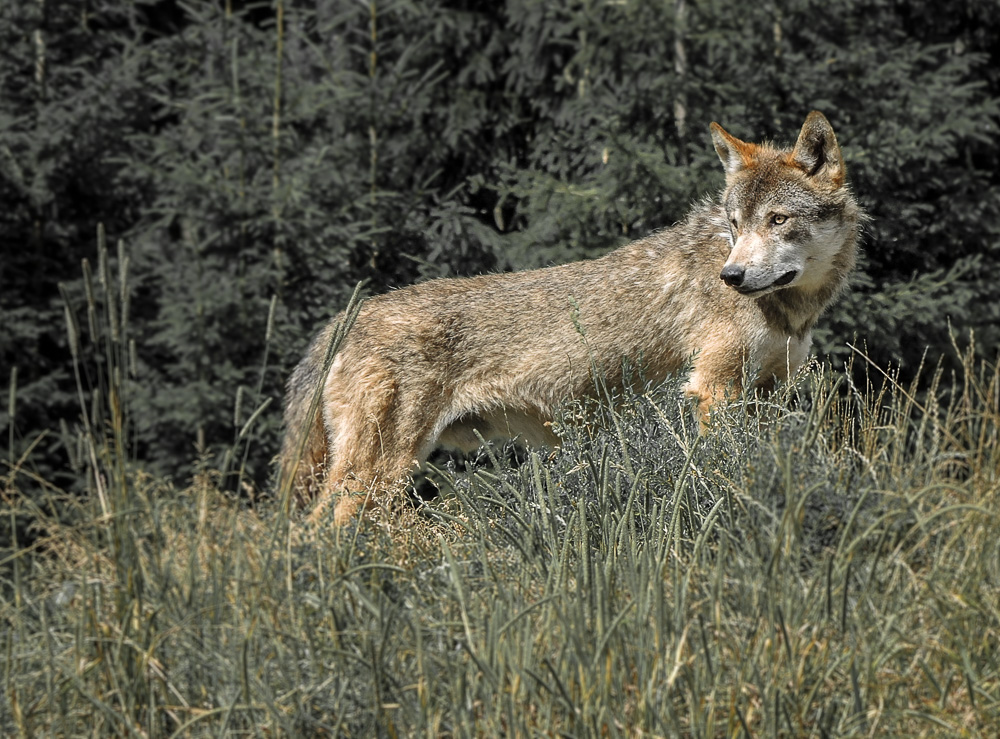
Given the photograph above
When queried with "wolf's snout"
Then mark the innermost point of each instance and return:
(733, 275)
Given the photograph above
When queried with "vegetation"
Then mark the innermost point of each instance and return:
(191, 188)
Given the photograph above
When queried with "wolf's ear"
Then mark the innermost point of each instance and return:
(817, 153)
(735, 154)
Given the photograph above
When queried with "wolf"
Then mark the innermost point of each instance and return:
(737, 286)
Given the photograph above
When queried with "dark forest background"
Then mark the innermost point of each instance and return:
(257, 160)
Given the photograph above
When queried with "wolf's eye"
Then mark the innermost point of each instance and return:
(732, 222)
(777, 219)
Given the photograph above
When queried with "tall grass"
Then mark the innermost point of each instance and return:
(825, 563)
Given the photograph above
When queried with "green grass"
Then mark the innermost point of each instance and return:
(823, 564)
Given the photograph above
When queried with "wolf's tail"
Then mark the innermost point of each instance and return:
(303, 451)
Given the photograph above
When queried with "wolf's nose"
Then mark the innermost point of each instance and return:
(733, 274)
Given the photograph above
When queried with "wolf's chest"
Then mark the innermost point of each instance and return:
(778, 356)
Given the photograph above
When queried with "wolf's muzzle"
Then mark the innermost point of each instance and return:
(734, 275)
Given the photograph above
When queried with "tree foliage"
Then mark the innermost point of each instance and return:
(258, 160)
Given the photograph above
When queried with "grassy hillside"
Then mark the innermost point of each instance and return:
(822, 563)
(825, 564)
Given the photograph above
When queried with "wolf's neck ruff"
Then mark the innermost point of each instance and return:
(737, 285)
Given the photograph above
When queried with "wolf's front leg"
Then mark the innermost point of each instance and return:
(715, 378)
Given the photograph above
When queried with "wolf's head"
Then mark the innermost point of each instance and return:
(792, 219)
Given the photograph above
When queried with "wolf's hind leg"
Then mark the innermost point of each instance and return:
(355, 438)
(376, 444)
